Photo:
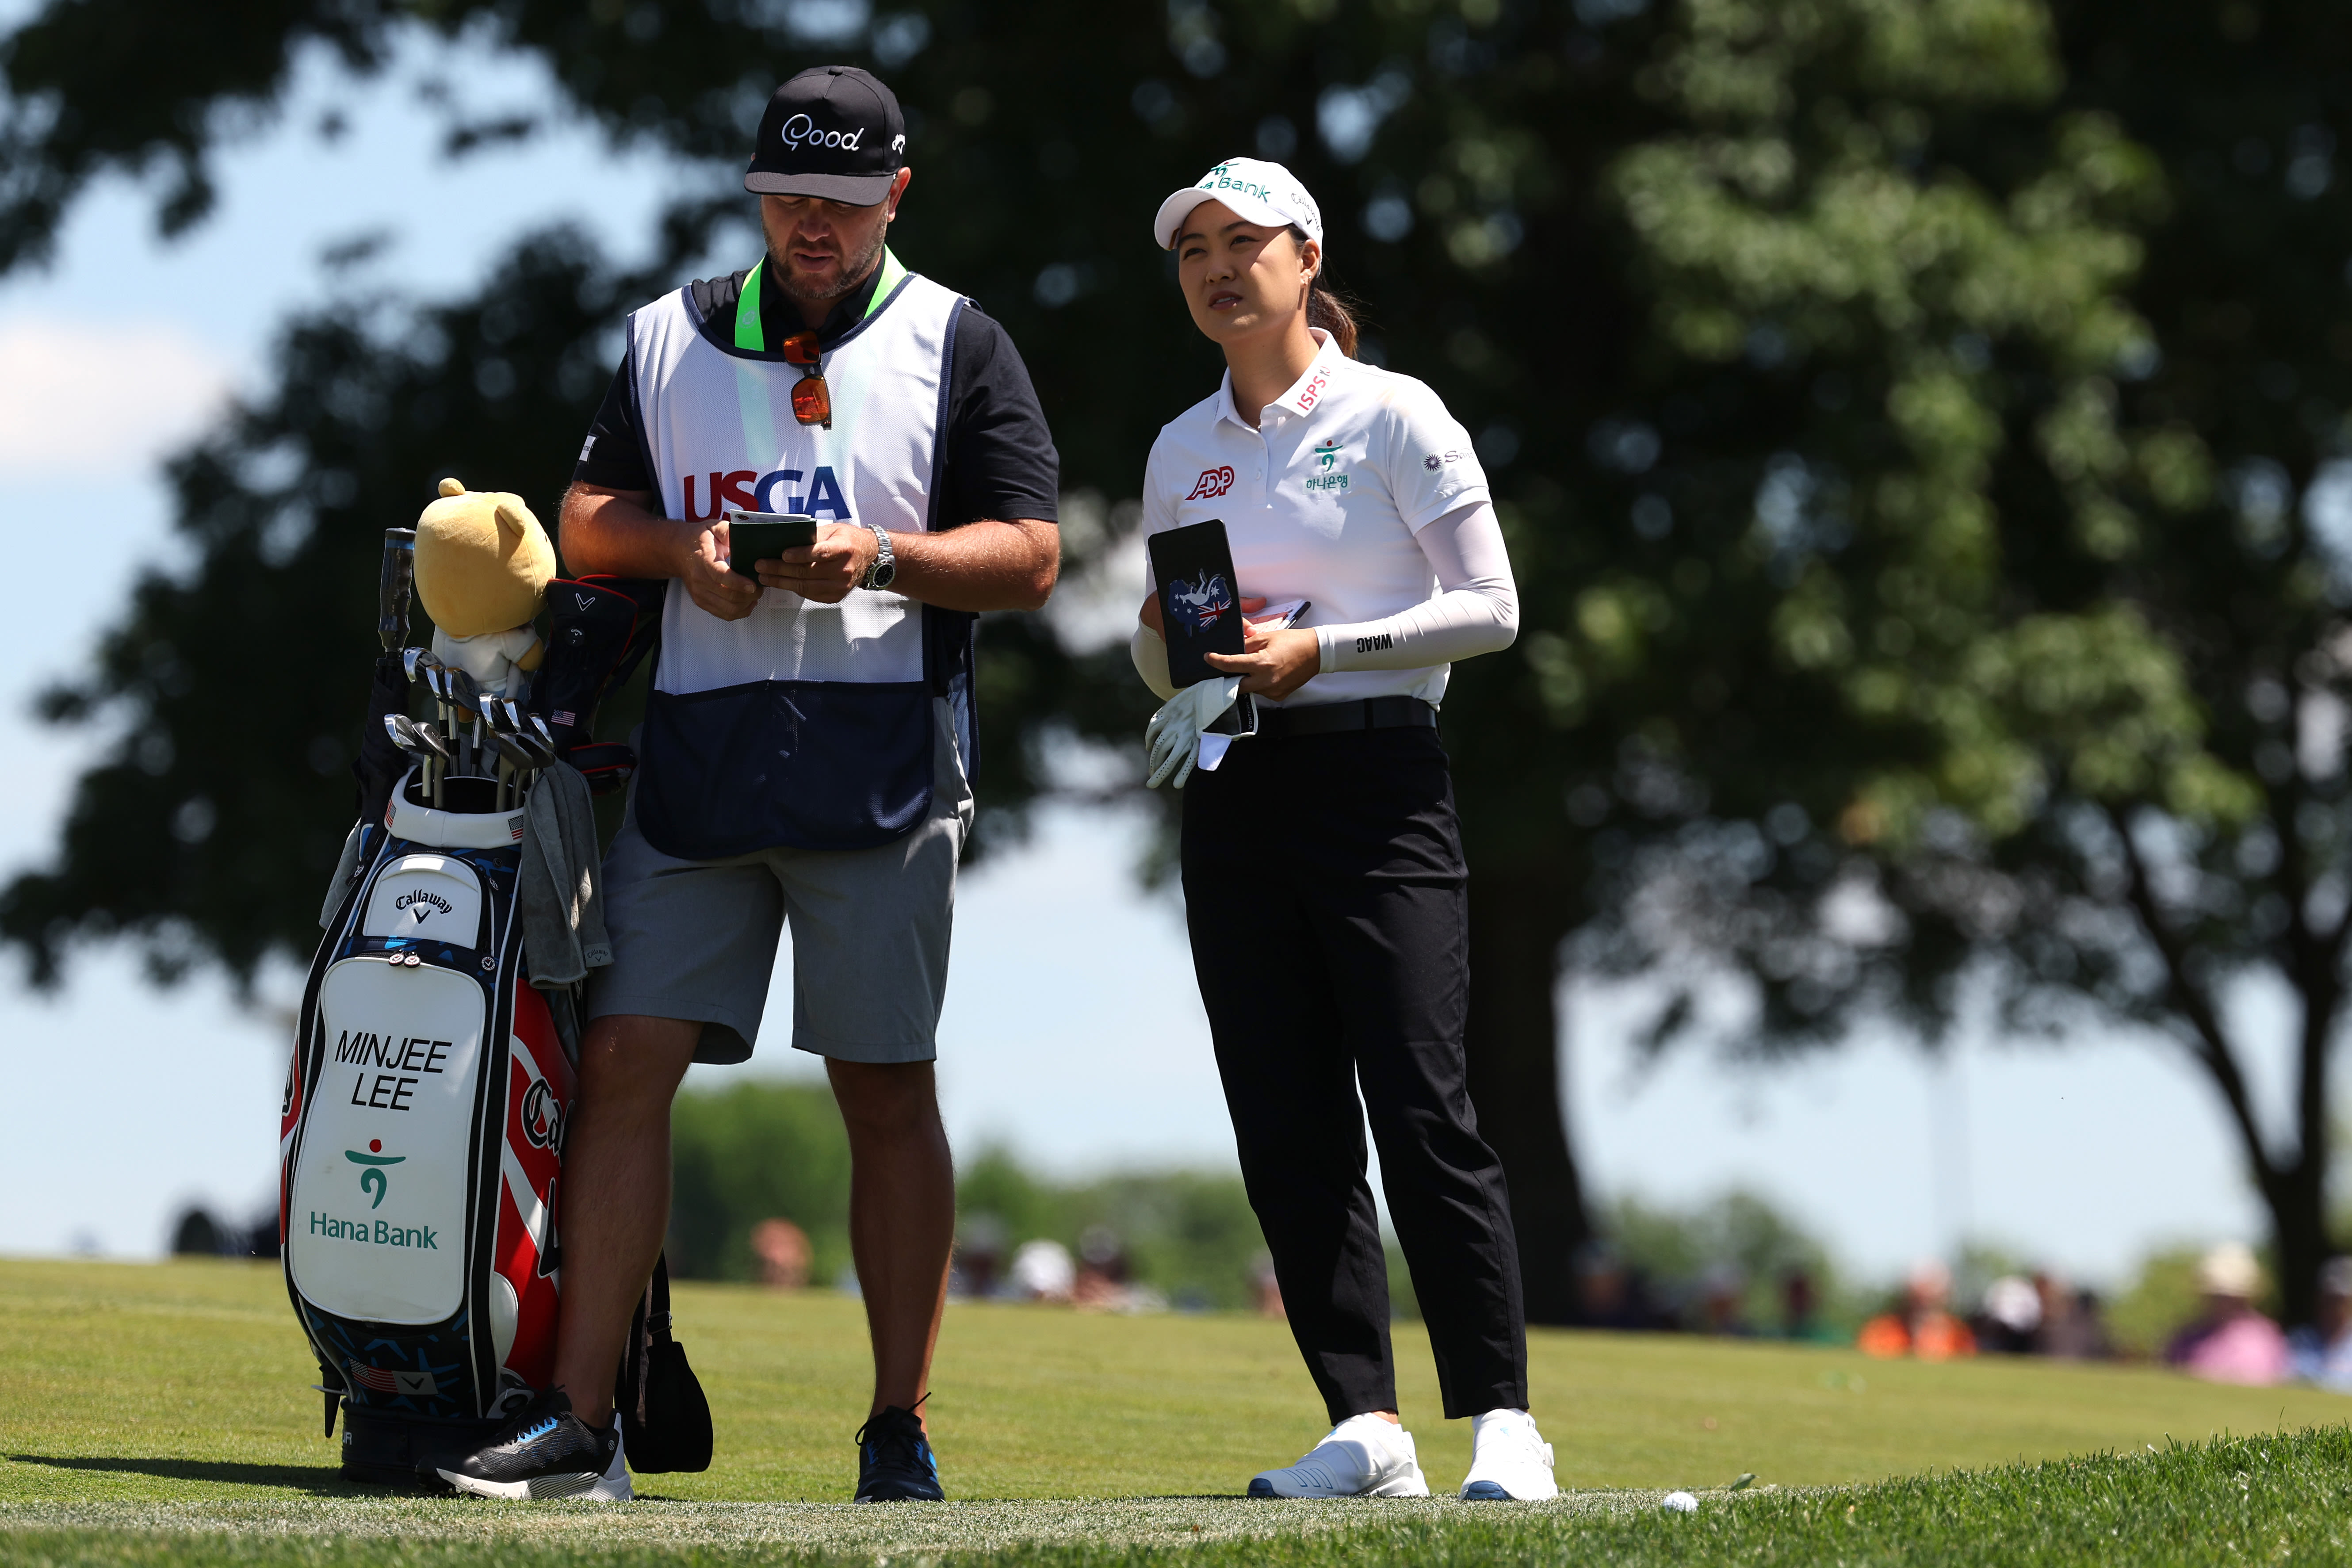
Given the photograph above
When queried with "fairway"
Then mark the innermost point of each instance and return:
(172, 1398)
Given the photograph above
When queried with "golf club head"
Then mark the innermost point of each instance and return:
(403, 732)
(428, 738)
(462, 689)
(512, 751)
(416, 663)
(541, 748)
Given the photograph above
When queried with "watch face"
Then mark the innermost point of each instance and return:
(884, 574)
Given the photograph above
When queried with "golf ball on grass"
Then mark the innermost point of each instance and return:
(1679, 1502)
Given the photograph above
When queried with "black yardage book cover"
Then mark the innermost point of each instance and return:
(1200, 606)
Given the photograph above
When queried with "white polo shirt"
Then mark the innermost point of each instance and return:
(1322, 499)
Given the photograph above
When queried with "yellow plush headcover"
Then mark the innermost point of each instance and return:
(482, 560)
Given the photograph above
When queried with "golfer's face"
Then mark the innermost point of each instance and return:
(816, 239)
(1239, 278)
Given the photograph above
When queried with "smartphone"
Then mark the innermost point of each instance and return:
(753, 536)
(1198, 605)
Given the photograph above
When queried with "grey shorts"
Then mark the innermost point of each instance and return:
(697, 939)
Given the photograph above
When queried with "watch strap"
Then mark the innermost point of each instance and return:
(884, 569)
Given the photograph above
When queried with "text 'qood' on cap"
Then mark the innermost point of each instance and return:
(833, 132)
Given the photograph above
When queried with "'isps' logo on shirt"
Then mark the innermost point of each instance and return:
(749, 491)
(1212, 483)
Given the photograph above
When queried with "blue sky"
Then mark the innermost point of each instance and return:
(1073, 1031)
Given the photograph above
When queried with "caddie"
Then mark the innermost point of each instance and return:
(808, 746)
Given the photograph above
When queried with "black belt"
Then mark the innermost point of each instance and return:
(1334, 718)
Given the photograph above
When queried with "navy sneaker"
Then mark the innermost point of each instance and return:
(894, 1463)
(545, 1452)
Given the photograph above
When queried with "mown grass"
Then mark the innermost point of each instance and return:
(159, 1413)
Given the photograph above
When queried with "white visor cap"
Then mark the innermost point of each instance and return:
(1256, 191)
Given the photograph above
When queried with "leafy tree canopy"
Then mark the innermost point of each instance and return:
(1918, 428)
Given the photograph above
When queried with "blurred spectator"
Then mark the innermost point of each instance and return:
(2322, 1354)
(2072, 1328)
(1101, 1279)
(2230, 1341)
(1266, 1290)
(2012, 1316)
(1611, 1295)
(977, 1271)
(783, 1253)
(197, 1234)
(1922, 1326)
(1043, 1271)
(1800, 1305)
(1722, 1301)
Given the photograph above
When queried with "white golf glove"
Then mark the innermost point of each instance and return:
(1172, 741)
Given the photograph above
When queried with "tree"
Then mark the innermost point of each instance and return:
(1884, 520)
(2065, 549)
(1034, 202)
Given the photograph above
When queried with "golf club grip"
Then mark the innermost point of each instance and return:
(393, 588)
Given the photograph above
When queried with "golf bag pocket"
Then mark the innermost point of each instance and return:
(420, 1141)
(378, 1195)
(808, 764)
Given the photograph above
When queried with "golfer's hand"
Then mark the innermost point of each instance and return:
(707, 581)
(827, 570)
(1272, 663)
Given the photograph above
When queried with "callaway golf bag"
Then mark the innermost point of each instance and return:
(420, 1142)
(421, 1130)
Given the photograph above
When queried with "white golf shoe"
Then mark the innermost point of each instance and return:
(1509, 1460)
(613, 1486)
(1365, 1456)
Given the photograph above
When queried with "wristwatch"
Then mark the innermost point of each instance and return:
(885, 570)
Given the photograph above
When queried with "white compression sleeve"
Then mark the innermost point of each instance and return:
(1475, 610)
(1150, 652)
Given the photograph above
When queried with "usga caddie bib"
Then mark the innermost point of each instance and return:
(802, 724)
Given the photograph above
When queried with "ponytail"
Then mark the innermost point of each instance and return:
(1325, 309)
(1328, 310)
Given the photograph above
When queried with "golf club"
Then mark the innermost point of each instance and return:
(421, 665)
(465, 703)
(393, 586)
(438, 765)
(494, 758)
(514, 761)
(421, 742)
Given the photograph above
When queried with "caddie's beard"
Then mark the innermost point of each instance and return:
(854, 269)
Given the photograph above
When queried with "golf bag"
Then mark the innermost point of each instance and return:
(419, 1141)
(601, 629)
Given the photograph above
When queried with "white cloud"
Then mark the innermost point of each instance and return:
(75, 397)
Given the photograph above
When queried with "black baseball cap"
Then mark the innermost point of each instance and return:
(833, 132)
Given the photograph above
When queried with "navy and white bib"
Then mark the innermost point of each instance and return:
(802, 724)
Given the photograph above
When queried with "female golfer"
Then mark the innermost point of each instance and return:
(1323, 871)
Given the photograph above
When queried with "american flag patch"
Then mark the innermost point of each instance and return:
(374, 1377)
(564, 716)
(514, 828)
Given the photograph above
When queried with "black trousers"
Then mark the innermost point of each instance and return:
(1324, 887)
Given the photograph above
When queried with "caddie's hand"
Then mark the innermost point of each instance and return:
(1272, 663)
(827, 570)
(707, 581)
